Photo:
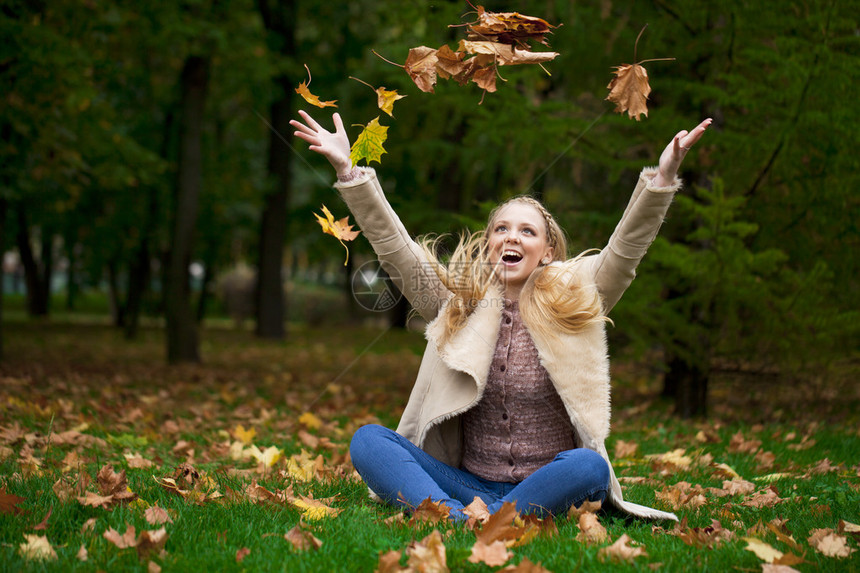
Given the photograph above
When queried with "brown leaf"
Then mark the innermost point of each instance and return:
(586, 506)
(765, 498)
(9, 502)
(428, 555)
(629, 90)
(590, 529)
(36, 548)
(625, 449)
(430, 511)
(509, 27)
(389, 562)
(150, 541)
(44, 523)
(477, 512)
(156, 515)
(500, 526)
(525, 566)
(127, 539)
(421, 67)
(621, 550)
(829, 543)
(302, 539)
(493, 555)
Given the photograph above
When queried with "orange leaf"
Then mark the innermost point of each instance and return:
(629, 90)
(303, 91)
(340, 229)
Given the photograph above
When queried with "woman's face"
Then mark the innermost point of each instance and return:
(518, 243)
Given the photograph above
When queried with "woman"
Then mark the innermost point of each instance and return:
(511, 403)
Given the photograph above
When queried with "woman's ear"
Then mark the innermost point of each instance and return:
(548, 255)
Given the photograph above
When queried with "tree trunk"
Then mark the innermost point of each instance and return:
(279, 19)
(38, 290)
(3, 207)
(182, 339)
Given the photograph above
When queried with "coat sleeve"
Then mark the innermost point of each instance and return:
(615, 267)
(399, 255)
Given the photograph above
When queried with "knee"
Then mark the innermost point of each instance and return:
(365, 440)
(588, 462)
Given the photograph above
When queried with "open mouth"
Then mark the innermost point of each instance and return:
(511, 257)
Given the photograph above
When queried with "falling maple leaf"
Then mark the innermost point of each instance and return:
(303, 91)
(384, 98)
(629, 89)
(368, 144)
(341, 229)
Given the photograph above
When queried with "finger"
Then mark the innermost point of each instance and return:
(338, 123)
(310, 121)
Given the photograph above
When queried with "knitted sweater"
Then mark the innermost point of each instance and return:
(520, 424)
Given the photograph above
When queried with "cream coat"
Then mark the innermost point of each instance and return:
(453, 375)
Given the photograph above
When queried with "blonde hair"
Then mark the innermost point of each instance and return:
(556, 303)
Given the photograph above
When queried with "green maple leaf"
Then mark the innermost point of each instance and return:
(368, 145)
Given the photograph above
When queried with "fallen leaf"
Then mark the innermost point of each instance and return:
(243, 435)
(477, 512)
(430, 511)
(525, 566)
(621, 550)
(124, 541)
(36, 548)
(590, 529)
(629, 90)
(368, 144)
(9, 502)
(829, 543)
(493, 555)
(428, 555)
(762, 550)
(156, 515)
(302, 539)
(44, 523)
(625, 449)
(501, 526)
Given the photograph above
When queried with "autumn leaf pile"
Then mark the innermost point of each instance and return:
(112, 461)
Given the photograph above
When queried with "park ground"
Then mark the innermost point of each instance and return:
(112, 460)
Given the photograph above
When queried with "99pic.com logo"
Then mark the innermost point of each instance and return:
(373, 288)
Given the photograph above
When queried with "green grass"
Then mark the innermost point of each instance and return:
(56, 377)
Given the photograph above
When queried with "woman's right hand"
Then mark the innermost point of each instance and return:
(333, 146)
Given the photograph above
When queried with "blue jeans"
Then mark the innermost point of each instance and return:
(403, 474)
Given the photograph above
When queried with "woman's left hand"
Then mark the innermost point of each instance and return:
(673, 155)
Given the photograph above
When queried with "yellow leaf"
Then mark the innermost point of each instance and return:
(368, 144)
(386, 99)
(245, 436)
(762, 550)
(310, 421)
(340, 229)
